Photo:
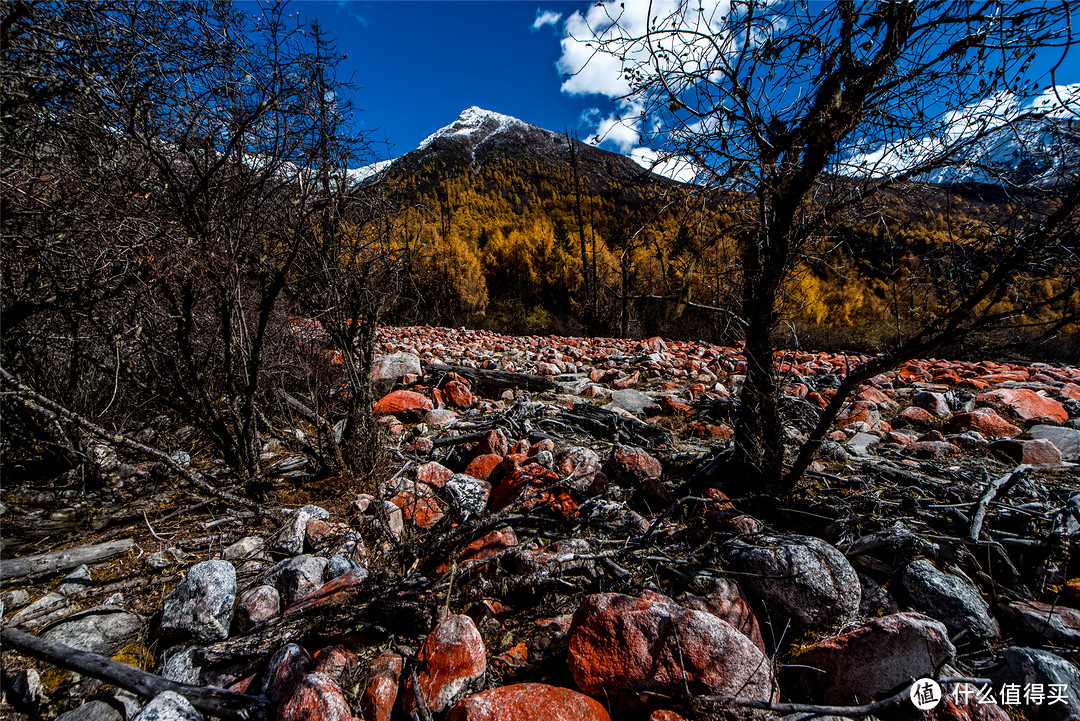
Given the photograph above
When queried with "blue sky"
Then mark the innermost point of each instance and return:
(418, 64)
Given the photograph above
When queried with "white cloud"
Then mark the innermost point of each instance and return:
(546, 17)
(676, 168)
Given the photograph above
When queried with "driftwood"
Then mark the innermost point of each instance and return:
(602, 423)
(1001, 485)
(46, 564)
(208, 701)
(497, 379)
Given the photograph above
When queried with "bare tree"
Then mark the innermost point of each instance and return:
(169, 163)
(797, 114)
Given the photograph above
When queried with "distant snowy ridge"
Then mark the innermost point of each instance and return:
(1004, 140)
(361, 174)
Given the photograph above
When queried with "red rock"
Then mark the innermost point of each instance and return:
(402, 402)
(545, 444)
(256, 605)
(1026, 403)
(578, 465)
(451, 659)
(985, 421)
(1039, 452)
(484, 547)
(418, 506)
(315, 698)
(527, 480)
(433, 474)
(391, 424)
(1056, 624)
(458, 394)
(725, 599)
(674, 405)
(421, 445)
(930, 449)
(320, 533)
(287, 666)
(483, 466)
(335, 662)
(915, 416)
(381, 691)
(860, 412)
(627, 381)
(875, 396)
(630, 464)
(886, 651)
(665, 715)
(529, 702)
(1070, 390)
(507, 662)
(494, 442)
(964, 707)
(621, 645)
(930, 437)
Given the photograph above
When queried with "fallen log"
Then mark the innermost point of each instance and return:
(497, 379)
(1001, 485)
(208, 701)
(47, 564)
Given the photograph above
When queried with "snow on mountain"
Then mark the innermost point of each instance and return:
(477, 122)
(363, 173)
(1003, 140)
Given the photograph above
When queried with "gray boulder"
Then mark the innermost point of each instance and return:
(801, 577)
(202, 605)
(951, 599)
(169, 706)
(104, 630)
(296, 577)
(1024, 666)
(1067, 440)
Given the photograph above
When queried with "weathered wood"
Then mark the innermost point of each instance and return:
(497, 379)
(208, 701)
(46, 564)
(602, 423)
(998, 486)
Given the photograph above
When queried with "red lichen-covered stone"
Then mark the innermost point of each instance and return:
(527, 480)
(544, 444)
(529, 702)
(665, 715)
(418, 506)
(315, 698)
(985, 421)
(381, 692)
(287, 666)
(630, 464)
(493, 442)
(1026, 404)
(484, 547)
(1039, 452)
(872, 660)
(483, 465)
(620, 646)
(725, 599)
(860, 412)
(458, 394)
(916, 417)
(335, 662)
(398, 402)
(433, 474)
(627, 381)
(452, 658)
(256, 605)
(579, 465)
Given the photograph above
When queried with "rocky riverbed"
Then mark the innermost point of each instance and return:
(549, 538)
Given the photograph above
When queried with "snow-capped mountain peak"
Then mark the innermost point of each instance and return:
(474, 121)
